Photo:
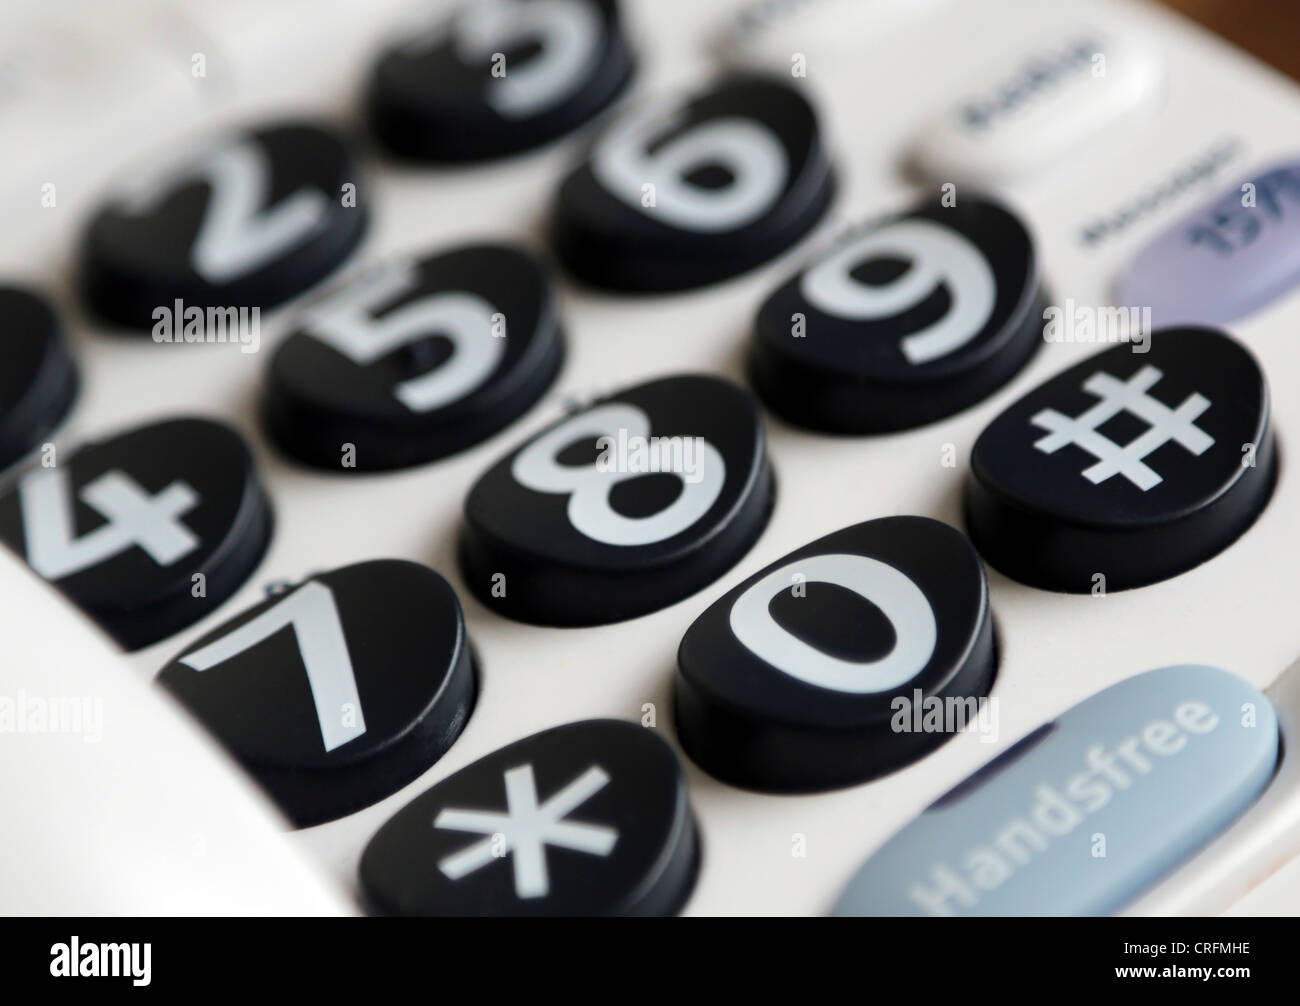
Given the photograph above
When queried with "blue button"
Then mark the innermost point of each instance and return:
(1084, 814)
(1230, 257)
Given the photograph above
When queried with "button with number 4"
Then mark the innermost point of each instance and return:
(147, 531)
(851, 657)
(1127, 468)
(626, 507)
(498, 77)
(415, 360)
(239, 219)
(338, 692)
(589, 818)
(674, 195)
(904, 323)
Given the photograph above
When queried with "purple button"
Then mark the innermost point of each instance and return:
(1231, 256)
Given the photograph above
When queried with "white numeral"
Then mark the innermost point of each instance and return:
(589, 487)
(315, 619)
(239, 233)
(937, 255)
(345, 323)
(745, 148)
(566, 31)
(132, 516)
(891, 590)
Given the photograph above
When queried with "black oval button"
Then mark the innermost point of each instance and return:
(827, 667)
(674, 196)
(498, 77)
(590, 818)
(338, 692)
(626, 507)
(904, 323)
(147, 531)
(1127, 468)
(245, 218)
(415, 360)
(38, 382)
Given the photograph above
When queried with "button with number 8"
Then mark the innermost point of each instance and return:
(624, 508)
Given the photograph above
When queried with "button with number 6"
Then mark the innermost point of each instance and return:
(851, 657)
(626, 507)
(338, 692)
(679, 195)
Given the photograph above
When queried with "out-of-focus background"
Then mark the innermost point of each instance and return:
(1269, 29)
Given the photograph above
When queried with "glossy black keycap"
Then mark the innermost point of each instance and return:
(415, 360)
(498, 77)
(38, 381)
(147, 531)
(244, 218)
(904, 323)
(679, 195)
(848, 658)
(338, 692)
(590, 818)
(623, 508)
(1127, 468)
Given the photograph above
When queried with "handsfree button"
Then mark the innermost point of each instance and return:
(1123, 788)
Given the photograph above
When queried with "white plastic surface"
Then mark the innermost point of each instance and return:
(1236, 611)
(115, 803)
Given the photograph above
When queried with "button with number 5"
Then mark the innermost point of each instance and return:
(903, 323)
(147, 531)
(340, 691)
(675, 195)
(416, 359)
(622, 509)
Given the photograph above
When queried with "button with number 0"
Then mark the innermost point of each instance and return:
(676, 195)
(414, 360)
(147, 531)
(589, 818)
(498, 77)
(238, 219)
(338, 692)
(623, 508)
(902, 324)
(38, 382)
(825, 668)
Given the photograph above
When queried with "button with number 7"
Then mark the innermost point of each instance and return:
(338, 692)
